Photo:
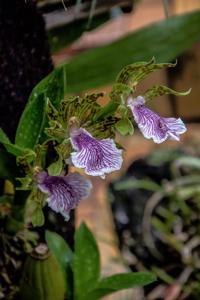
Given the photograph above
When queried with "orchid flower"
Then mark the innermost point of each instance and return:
(154, 126)
(64, 192)
(96, 157)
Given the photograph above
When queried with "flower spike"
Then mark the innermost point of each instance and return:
(64, 192)
(97, 157)
(152, 125)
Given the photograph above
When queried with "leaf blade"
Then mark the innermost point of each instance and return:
(120, 281)
(86, 262)
(31, 123)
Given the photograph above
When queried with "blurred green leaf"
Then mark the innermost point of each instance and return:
(185, 193)
(164, 40)
(159, 157)
(120, 282)
(86, 262)
(167, 237)
(187, 161)
(133, 183)
(163, 275)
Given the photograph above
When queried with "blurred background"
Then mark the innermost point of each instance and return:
(146, 216)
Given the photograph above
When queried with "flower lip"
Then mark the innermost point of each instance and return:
(64, 192)
(152, 125)
(96, 157)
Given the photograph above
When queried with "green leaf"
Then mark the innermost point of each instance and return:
(33, 119)
(164, 40)
(14, 149)
(54, 86)
(59, 248)
(8, 168)
(125, 126)
(86, 262)
(64, 255)
(31, 123)
(160, 90)
(120, 282)
(37, 217)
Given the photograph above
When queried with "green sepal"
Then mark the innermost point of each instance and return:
(118, 95)
(37, 217)
(132, 74)
(56, 167)
(25, 183)
(106, 110)
(56, 131)
(64, 149)
(68, 108)
(104, 128)
(34, 205)
(83, 108)
(159, 90)
(52, 112)
(125, 126)
(120, 91)
(122, 110)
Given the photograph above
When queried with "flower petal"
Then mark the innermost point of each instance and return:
(97, 157)
(152, 125)
(64, 192)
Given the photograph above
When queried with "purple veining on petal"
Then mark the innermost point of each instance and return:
(152, 125)
(64, 192)
(97, 157)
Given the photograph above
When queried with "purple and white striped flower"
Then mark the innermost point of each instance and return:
(152, 125)
(97, 157)
(64, 192)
